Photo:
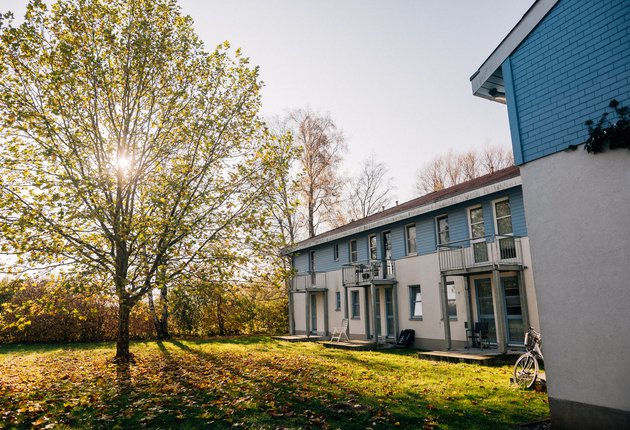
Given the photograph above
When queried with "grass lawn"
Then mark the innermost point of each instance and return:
(253, 382)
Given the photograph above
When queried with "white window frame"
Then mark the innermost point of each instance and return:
(414, 303)
(494, 215)
(450, 286)
(437, 230)
(370, 237)
(337, 300)
(356, 251)
(355, 313)
(408, 239)
(473, 240)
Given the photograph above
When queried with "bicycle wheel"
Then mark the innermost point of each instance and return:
(526, 371)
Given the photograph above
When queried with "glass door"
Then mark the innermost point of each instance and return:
(313, 313)
(389, 311)
(485, 308)
(513, 310)
(377, 301)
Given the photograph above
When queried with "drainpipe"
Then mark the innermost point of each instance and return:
(445, 317)
(291, 317)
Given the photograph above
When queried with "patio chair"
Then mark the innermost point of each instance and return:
(339, 332)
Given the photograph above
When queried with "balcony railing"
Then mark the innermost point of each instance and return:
(364, 272)
(302, 281)
(490, 250)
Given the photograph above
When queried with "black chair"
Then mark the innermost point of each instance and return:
(478, 336)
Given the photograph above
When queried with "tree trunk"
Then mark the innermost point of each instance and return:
(123, 355)
(163, 321)
(220, 321)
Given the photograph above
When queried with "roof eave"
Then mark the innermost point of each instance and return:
(489, 75)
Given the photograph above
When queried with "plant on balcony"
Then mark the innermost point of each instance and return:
(606, 134)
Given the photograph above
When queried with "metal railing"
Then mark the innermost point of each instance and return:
(364, 272)
(489, 250)
(302, 281)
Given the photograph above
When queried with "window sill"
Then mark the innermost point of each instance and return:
(338, 310)
(355, 318)
(415, 319)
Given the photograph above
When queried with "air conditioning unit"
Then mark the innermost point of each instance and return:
(366, 275)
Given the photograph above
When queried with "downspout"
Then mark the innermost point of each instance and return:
(345, 308)
(445, 318)
(523, 292)
(469, 313)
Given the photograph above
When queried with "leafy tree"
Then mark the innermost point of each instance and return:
(128, 149)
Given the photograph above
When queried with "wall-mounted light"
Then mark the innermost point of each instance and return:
(497, 95)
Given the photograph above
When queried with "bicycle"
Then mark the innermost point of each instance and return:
(526, 367)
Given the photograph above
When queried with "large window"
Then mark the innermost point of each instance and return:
(354, 253)
(356, 307)
(442, 230)
(410, 232)
(415, 301)
(337, 301)
(372, 246)
(503, 219)
(478, 234)
(452, 299)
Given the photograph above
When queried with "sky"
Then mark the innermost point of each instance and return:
(392, 74)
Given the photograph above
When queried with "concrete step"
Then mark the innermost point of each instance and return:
(457, 357)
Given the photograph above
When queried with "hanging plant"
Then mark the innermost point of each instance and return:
(605, 134)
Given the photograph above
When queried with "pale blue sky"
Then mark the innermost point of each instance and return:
(394, 75)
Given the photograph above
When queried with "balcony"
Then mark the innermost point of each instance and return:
(469, 256)
(308, 280)
(365, 272)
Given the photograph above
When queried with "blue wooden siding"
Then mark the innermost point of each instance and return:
(566, 72)
(426, 240)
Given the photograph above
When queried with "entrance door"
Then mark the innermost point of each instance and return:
(377, 301)
(313, 313)
(514, 315)
(389, 312)
(485, 308)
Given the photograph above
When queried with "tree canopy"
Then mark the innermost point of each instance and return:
(127, 148)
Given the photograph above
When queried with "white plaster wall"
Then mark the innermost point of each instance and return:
(299, 307)
(334, 284)
(423, 270)
(578, 219)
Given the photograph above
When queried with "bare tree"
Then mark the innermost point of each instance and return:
(319, 186)
(370, 190)
(451, 169)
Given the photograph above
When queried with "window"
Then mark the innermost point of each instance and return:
(311, 262)
(354, 254)
(503, 219)
(372, 246)
(356, 309)
(451, 297)
(336, 251)
(415, 301)
(337, 301)
(478, 234)
(410, 232)
(442, 230)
